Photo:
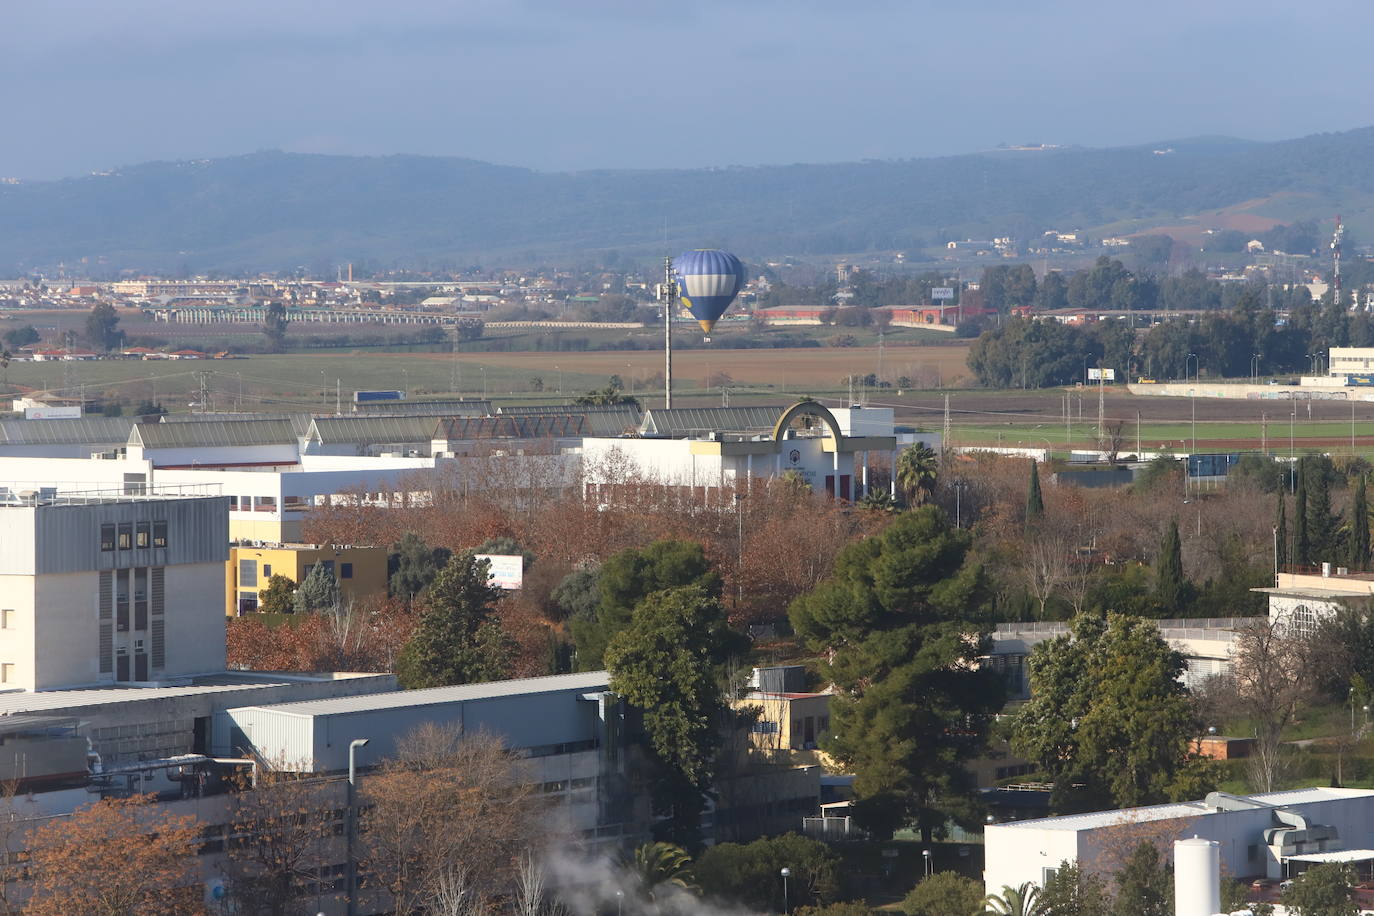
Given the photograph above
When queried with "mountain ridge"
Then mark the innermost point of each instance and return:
(276, 210)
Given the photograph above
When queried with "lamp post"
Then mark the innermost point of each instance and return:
(1254, 369)
(739, 543)
(925, 855)
(1196, 366)
(619, 902)
(786, 873)
(351, 882)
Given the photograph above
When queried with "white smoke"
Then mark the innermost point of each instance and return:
(591, 885)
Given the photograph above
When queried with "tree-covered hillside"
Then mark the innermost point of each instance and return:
(278, 210)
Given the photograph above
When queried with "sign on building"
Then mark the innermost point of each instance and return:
(507, 572)
(942, 292)
(52, 413)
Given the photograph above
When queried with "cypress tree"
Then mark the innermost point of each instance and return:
(1172, 590)
(1359, 528)
(1035, 502)
(1302, 545)
(1281, 532)
(1322, 523)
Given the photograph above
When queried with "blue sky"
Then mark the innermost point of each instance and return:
(578, 84)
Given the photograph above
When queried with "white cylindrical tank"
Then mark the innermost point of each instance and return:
(1197, 877)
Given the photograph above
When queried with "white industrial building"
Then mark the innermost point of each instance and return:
(1274, 835)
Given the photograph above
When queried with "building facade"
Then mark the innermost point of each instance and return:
(104, 590)
(361, 572)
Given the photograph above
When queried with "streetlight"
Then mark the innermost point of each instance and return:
(739, 562)
(619, 901)
(1254, 369)
(351, 882)
(959, 487)
(925, 854)
(786, 873)
(1197, 366)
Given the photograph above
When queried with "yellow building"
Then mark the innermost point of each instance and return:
(788, 721)
(360, 571)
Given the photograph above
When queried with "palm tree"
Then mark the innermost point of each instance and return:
(659, 864)
(1016, 901)
(917, 468)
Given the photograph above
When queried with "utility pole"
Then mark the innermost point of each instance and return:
(668, 293)
(945, 441)
(1138, 452)
(1336, 260)
(1101, 413)
(1264, 433)
(338, 399)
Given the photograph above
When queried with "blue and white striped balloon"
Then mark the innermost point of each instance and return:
(708, 281)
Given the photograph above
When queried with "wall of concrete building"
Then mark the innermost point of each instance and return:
(18, 635)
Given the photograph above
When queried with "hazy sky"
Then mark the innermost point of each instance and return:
(577, 84)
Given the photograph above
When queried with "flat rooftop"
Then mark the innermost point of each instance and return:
(432, 696)
(1096, 819)
(19, 702)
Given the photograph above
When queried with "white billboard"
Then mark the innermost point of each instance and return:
(1103, 375)
(52, 413)
(507, 572)
(942, 292)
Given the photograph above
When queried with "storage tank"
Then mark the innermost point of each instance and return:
(1197, 877)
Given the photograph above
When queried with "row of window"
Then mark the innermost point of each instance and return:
(128, 535)
(248, 572)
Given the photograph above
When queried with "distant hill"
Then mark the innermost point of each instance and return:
(273, 210)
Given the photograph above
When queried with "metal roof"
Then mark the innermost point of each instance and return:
(457, 407)
(543, 426)
(83, 431)
(372, 430)
(401, 699)
(18, 701)
(1098, 819)
(209, 435)
(690, 421)
(602, 419)
(300, 422)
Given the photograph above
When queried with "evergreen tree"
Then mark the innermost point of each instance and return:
(318, 591)
(1359, 527)
(1108, 721)
(1143, 885)
(1322, 524)
(1302, 544)
(1173, 592)
(1035, 502)
(279, 597)
(626, 579)
(413, 566)
(1281, 558)
(1072, 892)
(669, 661)
(902, 621)
(458, 640)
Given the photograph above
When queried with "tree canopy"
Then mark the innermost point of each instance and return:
(903, 620)
(458, 639)
(1108, 720)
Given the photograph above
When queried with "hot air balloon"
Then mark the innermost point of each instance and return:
(708, 281)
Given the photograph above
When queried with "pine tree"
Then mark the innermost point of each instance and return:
(1281, 533)
(1035, 502)
(1359, 528)
(458, 640)
(318, 591)
(1172, 590)
(1302, 544)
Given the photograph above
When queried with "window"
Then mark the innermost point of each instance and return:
(126, 535)
(345, 570)
(328, 567)
(7, 619)
(159, 534)
(233, 504)
(107, 537)
(144, 536)
(267, 570)
(248, 573)
(267, 504)
(7, 673)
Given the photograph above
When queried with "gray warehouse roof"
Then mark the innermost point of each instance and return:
(456, 429)
(456, 407)
(84, 431)
(401, 699)
(300, 422)
(209, 435)
(688, 421)
(602, 419)
(371, 430)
